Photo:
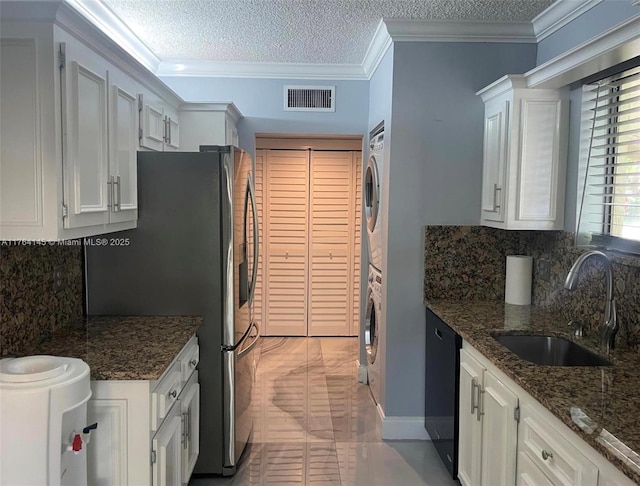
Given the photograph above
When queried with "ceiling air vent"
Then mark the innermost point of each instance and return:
(309, 98)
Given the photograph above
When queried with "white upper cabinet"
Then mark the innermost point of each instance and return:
(159, 125)
(69, 128)
(99, 140)
(525, 153)
(208, 124)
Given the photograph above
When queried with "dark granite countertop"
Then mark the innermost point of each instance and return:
(122, 347)
(609, 396)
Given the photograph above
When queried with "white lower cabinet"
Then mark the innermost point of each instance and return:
(147, 430)
(190, 408)
(488, 426)
(506, 437)
(554, 456)
(166, 451)
(529, 474)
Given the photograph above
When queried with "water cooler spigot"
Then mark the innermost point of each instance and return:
(79, 439)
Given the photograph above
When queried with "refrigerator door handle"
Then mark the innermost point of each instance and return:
(256, 338)
(256, 239)
(234, 347)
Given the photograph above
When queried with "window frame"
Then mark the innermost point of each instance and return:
(604, 238)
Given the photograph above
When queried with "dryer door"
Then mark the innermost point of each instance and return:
(371, 329)
(371, 193)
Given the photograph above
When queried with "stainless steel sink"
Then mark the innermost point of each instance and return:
(549, 350)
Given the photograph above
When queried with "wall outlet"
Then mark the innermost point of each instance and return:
(58, 278)
(544, 270)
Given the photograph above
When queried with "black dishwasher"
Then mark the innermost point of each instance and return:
(442, 391)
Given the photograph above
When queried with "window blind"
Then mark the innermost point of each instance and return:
(610, 209)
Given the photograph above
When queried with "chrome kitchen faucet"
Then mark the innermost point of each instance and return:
(610, 326)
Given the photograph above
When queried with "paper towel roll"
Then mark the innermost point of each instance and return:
(517, 283)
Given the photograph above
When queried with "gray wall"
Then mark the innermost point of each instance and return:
(261, 102)
(434, 177)
(599, 19)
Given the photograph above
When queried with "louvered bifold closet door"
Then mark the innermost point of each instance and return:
(258, 301)
(332, 213)
(357, 241)
(286, 196)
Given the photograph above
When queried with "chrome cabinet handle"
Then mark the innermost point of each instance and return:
(546, 455)
(169, 130)
(193, 363)
(111, 195)
(165, 137)
(474, 405)
(496, 206)
(185, 419)
(116, 205)
(438, 334)
(480, 402)
(173, 394)
(189, 426)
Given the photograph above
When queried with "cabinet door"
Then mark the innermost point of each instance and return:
(152, 126)
(85, 150)
(494, 160)
(190, 408)
(540, 163)
(167, 451)
(123, 140)
(499, 433)
(107, 452)
(470, 420)
(172, 140)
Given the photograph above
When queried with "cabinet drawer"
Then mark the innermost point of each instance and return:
(189, 358)
(558, 459)
(165, 394)
(529, 474)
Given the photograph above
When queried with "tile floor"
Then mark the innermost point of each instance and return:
(316, 425)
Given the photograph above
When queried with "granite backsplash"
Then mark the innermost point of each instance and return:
(30, 307)
(469, 262)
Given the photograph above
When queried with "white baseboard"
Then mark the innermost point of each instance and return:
(401, 428)
(363, 373)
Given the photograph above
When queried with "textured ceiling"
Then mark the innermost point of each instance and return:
(291, 31)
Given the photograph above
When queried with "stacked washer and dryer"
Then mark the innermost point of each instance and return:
(374, 323)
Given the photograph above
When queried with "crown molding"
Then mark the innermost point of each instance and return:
(71, 20)
(502, 85)
(110, 24)
(618, 44)
(388, 31)
(559, 14)
(459, 31)
(377, 49)
(261, 70)
(228, 107)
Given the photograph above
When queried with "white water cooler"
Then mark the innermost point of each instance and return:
(43, 421)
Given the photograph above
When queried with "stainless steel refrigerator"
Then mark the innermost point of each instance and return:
(194, 252)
